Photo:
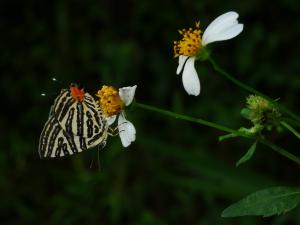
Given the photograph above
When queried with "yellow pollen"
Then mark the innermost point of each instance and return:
(190, 44)
(109, 100)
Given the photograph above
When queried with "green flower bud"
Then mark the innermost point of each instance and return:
(262, 113)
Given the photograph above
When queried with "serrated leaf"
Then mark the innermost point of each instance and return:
(248, 155)
(267, 202)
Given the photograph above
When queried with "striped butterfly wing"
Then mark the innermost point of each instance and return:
(79, 118)
(56, 142)
(73, 126)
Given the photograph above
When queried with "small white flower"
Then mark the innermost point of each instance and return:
(126, 129)
(222, 28)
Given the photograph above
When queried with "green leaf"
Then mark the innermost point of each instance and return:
(267, 202)
(246, 113)
(227, 136)
(248, 155)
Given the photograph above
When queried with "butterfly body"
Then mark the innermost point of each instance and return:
(75, 124)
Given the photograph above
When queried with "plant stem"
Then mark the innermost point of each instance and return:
(280, 150)
(250, 89)
(191, 119)
(290, 128)
(274, 147)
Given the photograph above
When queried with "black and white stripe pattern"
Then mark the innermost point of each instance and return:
(72, 126)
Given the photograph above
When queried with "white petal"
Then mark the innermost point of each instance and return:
(127, 94)
(181, 61)
(190, 79)
(221, 21)
(221, 25)
(126, 131)
(111, 120)
(227, 34)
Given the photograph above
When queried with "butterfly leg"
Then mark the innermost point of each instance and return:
(114, 131)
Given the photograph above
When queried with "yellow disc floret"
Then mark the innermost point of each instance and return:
(110, 101)
(190, 44)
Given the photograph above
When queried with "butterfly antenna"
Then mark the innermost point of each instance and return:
(92, 162)
(43, 94)
(57, 81)
(99, 164)
(54, 80)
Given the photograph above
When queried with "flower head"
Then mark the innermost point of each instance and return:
(112, 103)
(262, 112)
(192, 46)
(190, 43)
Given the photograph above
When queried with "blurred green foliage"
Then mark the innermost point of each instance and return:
(176, 172)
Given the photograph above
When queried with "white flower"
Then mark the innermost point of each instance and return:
(222, 28)
(126, 129)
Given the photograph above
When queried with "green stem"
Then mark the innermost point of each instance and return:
(274, 147)
(280, 150)
(290, 128)
(191, 119)
(291, 122)
(250, 89)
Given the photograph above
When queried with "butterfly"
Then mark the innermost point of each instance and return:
(76, 123)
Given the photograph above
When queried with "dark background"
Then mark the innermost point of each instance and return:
(176, 172)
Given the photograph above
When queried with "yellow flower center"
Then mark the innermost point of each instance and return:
(190, 44)
(110, 101)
